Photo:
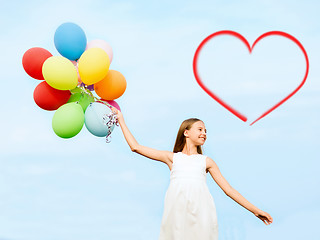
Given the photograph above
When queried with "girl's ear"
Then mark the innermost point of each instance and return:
(185, 133)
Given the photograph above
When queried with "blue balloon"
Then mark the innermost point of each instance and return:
(70, 40)
(94, 121)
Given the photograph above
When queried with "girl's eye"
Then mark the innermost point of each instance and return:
(204, 130)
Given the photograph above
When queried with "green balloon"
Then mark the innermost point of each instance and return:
(76, 90)
(83, 99)
(68, 120)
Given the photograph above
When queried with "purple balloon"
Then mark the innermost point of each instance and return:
(90, 87)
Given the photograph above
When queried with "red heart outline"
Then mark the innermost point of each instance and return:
(239, 36)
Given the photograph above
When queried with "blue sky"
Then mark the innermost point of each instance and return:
(81, 188)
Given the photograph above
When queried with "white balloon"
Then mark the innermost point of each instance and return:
(103, 45)
(95, 119)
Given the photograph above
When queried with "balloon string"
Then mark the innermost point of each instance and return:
(109, 119)
(98, 100)
(81, 97)
(87, 91)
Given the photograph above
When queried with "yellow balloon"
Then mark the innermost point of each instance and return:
(60, 73)
(93, 65)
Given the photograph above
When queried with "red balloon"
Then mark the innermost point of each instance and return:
(33, 60)
(49, 98)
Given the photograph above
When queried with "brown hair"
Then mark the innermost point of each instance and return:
(181, 139)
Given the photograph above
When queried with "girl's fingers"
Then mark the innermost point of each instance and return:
(266, 219)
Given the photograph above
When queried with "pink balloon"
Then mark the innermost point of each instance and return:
(113, 103)
(75, 64)
(103, 45)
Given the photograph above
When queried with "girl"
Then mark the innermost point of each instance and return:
(189, 209)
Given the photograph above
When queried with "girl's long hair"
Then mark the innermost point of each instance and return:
(181, 139)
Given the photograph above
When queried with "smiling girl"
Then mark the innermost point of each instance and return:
(189, 208)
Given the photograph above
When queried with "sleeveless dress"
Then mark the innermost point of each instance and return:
(189, 209)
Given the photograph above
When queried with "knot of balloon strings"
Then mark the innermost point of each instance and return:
(109, 120)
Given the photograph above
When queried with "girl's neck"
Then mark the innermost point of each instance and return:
(189, 151)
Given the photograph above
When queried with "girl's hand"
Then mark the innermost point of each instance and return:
(265, 217)
(117, 112)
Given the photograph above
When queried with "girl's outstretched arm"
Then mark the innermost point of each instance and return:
(235, 195)
(163, 156)
(132, 142)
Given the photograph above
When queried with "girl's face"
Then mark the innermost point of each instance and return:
(197, 133)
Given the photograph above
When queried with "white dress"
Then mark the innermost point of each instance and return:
(189, 209)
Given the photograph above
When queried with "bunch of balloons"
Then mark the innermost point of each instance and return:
(71, 80)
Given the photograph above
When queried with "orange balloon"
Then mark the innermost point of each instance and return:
(111, 86)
